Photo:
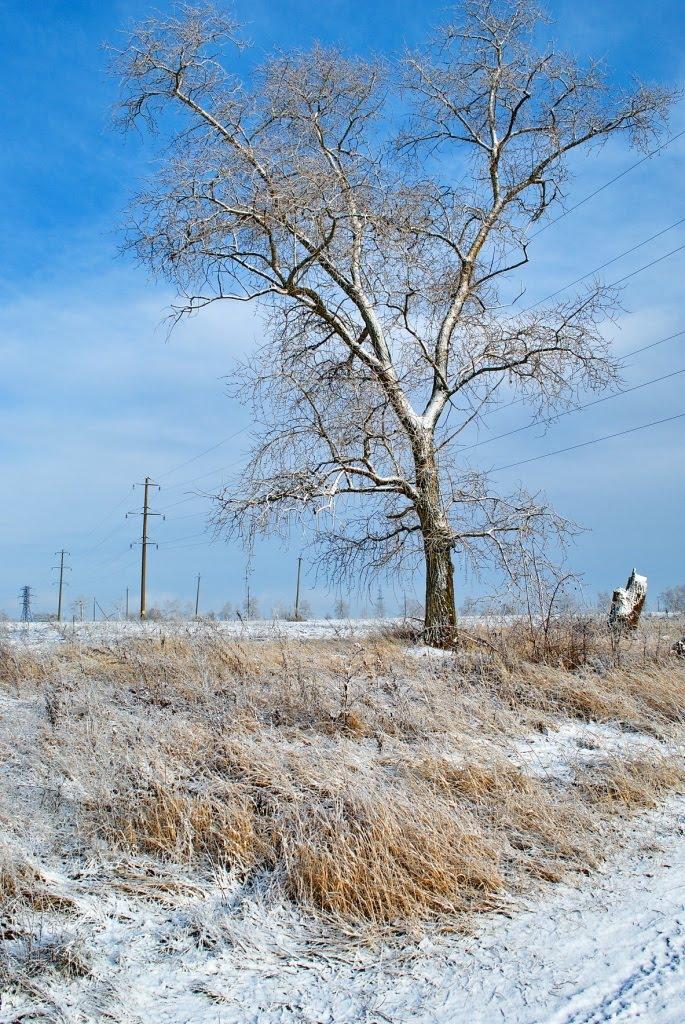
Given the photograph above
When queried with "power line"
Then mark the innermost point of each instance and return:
(176, 540)
(647, 266)
(652, 344)
(567, 412)
(199, 544)
(203, 476)
(206, 451)
(626, 355)
(585, 444)
(107, 518)
(612, 181)
(608, 263)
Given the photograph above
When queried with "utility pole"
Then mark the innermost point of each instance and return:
(61, 584)
(25, 596)
(144, 542)
(297, 588)
(127, 604)
(93, 609)
(197, 595)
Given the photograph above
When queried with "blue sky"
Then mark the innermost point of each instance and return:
(93, 396)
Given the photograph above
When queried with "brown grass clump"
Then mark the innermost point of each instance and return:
(365, 858)
(631, 784)
(24, 886)
(649, 699)
(162, 820)
(544, 832)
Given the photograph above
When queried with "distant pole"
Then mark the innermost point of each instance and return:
(197, 595)
(127, 603)
(62, 567)
(93, 609)
(247, 608)
(80, 608)
(144, 543)
(143, 561)
(297, 589)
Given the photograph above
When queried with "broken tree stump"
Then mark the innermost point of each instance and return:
(627, 603)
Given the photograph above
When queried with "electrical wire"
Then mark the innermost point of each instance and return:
(585, 444)
(607, 184)
(567, 412)
(603, 266)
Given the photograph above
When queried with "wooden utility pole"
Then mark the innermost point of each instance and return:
(146, 513)
(197, 595)
(297, 588)
(61, 567)
(127, 604)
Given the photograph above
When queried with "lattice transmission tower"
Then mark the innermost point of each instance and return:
(26, 613)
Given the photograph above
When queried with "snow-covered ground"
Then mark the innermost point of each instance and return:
(36, 634)
(609, 947)
(609, 951)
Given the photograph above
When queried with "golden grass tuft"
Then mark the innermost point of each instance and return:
(23, 885)
(387, 861)
(163, 820)
(631, 784)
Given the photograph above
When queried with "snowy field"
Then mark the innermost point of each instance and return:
(164, 946)
(38, 634)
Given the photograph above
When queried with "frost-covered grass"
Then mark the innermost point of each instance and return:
(342, 786)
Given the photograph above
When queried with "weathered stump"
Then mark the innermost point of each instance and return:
(627, 604)
(679, 648)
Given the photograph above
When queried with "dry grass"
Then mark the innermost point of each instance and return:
(24, 886)
(631, 784)
(365, 783)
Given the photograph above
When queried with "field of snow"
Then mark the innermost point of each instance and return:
(165, 946)
(38, 634)
(612, 951)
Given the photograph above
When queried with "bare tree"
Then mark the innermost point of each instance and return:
(673, 599)
(341, 608)
(373, 211)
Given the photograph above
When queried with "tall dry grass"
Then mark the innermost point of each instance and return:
(364, 781)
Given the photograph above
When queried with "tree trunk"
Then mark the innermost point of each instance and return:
(440, 623)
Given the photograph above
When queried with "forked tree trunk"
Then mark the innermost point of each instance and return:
(440, 623)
